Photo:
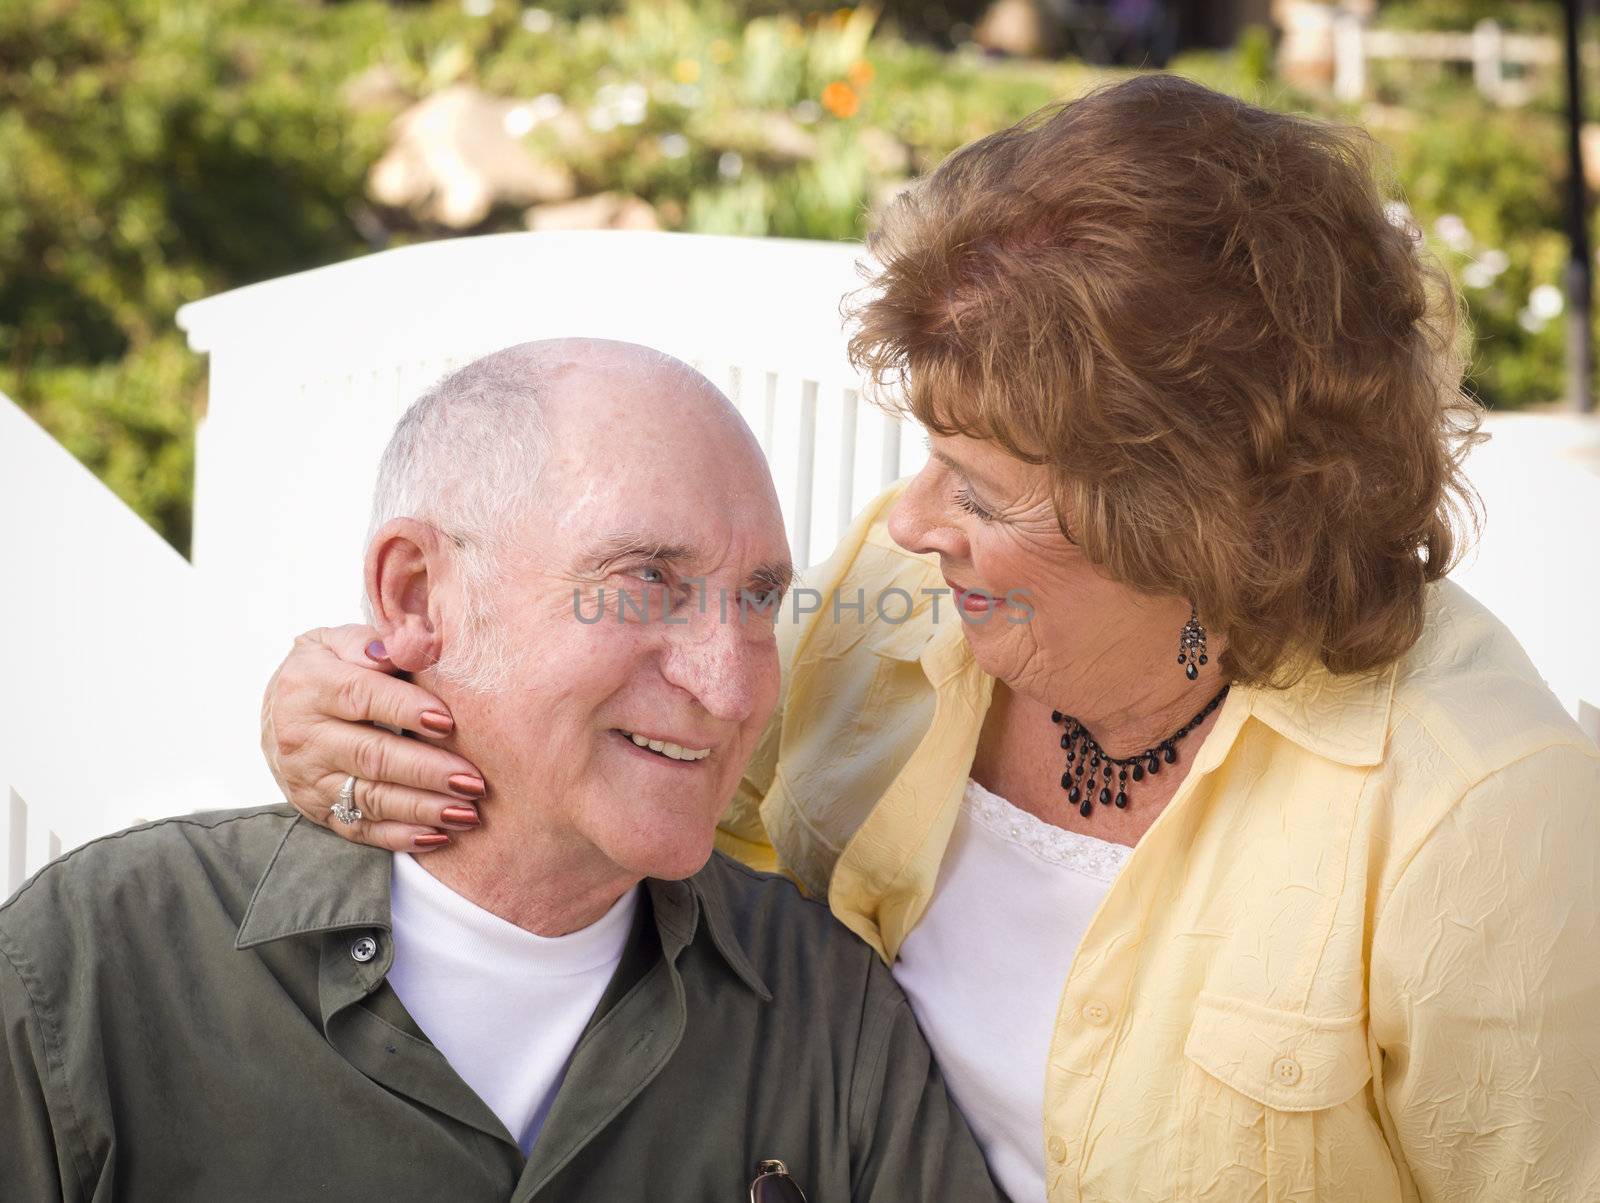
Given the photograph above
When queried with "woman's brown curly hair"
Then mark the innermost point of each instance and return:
(1242, 375)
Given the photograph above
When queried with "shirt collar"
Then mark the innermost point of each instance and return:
(1342, 717)
(317, 882)
(682, 906)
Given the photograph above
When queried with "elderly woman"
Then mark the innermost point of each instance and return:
(1224, 849)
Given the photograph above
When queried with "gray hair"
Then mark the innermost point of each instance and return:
(466, 459)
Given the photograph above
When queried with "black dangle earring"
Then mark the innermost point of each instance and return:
(1192, 645)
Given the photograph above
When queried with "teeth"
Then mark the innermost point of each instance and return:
(670, 750)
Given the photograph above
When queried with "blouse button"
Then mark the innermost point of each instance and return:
(364, 949)
(1286, 1070)
(1058, 1149)
(1096, 1013)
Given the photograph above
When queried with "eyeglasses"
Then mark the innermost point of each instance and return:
(773, 1185)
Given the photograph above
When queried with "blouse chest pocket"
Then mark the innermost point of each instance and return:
(1273, 1108)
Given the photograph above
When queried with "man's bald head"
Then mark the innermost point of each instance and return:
(472, 455)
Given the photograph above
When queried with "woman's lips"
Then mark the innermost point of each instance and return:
(973, 601)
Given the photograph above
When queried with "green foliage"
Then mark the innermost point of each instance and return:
(1487, 190)
(156, 151)
(1530, 16)
(149, 155)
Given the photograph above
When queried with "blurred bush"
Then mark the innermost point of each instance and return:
(154, 152)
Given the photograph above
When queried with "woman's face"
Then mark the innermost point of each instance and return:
(1042, 618)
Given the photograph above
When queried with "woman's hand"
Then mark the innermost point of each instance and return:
(317, 728)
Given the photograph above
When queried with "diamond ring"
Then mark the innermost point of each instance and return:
(346, 810)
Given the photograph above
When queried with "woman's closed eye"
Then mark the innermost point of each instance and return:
(968, 502)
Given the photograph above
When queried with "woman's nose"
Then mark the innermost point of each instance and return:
(918, 522)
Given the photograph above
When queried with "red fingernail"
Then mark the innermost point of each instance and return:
(464, 816)
(439, 724)
(431, 841)
(467, 786)
(376, 652)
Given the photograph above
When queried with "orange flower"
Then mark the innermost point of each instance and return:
(840, 99)
(861, 73)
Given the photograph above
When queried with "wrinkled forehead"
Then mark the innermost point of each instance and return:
(684, 477)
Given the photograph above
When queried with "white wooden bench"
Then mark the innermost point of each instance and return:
(132, 680)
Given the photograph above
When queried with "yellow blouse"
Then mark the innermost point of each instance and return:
(1357, 956)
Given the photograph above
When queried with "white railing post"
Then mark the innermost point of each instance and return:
(1488, 60)
(889, 461)
(850, 401)
(805, 473)
(15, 844)
(1349, 58)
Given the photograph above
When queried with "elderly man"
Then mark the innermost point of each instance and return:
(584, 1003)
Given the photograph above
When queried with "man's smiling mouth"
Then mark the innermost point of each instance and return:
(665, 747)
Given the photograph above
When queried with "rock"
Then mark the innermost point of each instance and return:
(377, 89)
(886, 154)
(778, 135)
(604, 211)
(1014, 27)
(454, 157)
(765, 137)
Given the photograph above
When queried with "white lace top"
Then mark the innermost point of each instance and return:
(985, 966)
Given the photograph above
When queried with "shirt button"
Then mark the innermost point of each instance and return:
(1096, 1013)
(364, 949)
(1286, 1070)
(1058, 1149)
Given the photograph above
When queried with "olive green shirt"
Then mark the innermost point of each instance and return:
(196, 1009)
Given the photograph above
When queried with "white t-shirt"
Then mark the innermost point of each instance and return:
(504, 1006)
(985, 966)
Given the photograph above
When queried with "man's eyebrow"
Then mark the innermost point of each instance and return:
(635, 545)
(623, 546)
(776, 575)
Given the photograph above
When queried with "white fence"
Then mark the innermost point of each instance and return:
(1488, 47)
(134, 680)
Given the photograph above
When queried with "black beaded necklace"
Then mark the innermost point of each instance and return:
(1086, 757)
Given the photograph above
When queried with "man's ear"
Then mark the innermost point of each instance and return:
(403, 576)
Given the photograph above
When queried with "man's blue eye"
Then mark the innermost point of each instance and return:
(652, 576)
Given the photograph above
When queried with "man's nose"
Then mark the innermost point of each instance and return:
(720, 664)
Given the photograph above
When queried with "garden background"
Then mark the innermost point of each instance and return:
(153, 152)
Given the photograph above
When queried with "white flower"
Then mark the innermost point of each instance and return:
(1530, 322)
(632, 104)
(519, 120)
(1495, 260)
(1478, 275)
(546, 106)
(1452, 231)
(730, 165)
(537, 20)
(674, 146)
(808, 111)
(477, 8)
(1546, 302)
